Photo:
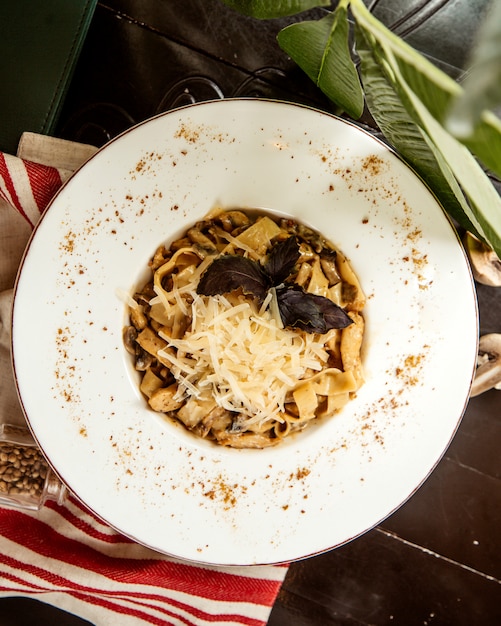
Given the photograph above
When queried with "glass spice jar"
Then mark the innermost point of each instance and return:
(26, 480)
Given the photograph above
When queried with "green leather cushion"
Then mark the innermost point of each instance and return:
(39, 44)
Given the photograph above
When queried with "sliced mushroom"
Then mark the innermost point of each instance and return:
(160, 257)
(205, 245)
(488, 374)
(144, 359)
(328, 263)
(485, 264)
(233, 219)
(146, 294)
(312, 237)
(129, 337)
(138, 318)
(184, 242)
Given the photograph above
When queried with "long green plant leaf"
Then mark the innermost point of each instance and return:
(483, 197)
(482, 86)
(321, 49)
(436, 90)
(485, 141)
(484, 200)
(407, 137)
(267, 9)
(408, 96)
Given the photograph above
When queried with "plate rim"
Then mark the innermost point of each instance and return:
(254, 101)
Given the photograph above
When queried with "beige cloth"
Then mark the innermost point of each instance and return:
(14, 235)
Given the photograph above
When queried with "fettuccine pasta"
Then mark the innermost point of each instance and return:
(225, 365)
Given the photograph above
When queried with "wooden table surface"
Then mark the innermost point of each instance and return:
(436, 561)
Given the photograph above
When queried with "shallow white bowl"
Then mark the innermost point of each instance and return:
(149, 478)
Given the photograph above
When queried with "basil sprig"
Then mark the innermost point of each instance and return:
(448, 134)
(298, 308)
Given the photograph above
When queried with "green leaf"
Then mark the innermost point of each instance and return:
(436, 90)
(266, 9)
(407, 137)
(485, 141)
(409, 98)
(482, 86)
(321, 49)
(483, 199)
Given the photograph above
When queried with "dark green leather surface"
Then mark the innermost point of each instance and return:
(39, 44)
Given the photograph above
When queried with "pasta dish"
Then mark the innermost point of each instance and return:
(249, 329)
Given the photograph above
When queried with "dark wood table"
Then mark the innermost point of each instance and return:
(436, 561)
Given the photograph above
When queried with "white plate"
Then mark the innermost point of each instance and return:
(152, 480)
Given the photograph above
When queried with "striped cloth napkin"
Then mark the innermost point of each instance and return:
(62, 554)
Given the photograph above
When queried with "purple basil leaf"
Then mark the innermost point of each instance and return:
(281, 260)
(228, 273)
(308, 311)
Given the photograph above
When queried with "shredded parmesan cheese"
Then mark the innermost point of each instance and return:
(243, 357)
(224, 365)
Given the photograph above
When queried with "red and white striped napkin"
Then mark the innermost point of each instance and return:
(63, 555)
